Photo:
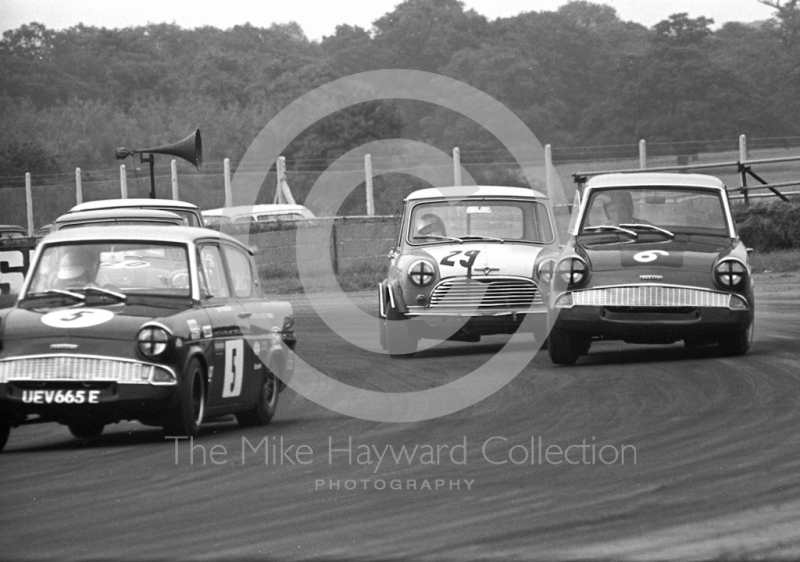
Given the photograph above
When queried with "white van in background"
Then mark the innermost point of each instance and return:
(256, 214)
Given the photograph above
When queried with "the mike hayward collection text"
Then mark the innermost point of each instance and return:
(497, 450)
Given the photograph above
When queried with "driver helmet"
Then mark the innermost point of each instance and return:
(75, 263)
(430, 224)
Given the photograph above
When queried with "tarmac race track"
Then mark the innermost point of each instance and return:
(711, 451)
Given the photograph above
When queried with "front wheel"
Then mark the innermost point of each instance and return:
(737, 343)
(267, 404)
(87, 429)
(565, 347)
(188, 415)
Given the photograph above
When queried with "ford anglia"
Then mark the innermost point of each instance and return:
(654, 258)
(166, 326)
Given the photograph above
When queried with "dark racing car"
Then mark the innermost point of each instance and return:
(162, 325)
(655, 258)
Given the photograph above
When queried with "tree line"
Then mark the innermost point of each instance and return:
(577, 76)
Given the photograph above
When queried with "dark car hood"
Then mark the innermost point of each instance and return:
(688, 253)
(113, 322)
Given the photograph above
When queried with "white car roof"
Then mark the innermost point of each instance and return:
(475, 191)
(138, 202)
(645, 179)
(142, 232)
(128, 214)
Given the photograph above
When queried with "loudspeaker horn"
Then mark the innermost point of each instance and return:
(190, 149)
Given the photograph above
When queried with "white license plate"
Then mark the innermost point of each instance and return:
(61, 396)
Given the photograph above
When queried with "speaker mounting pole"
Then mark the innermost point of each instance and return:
(151, 160)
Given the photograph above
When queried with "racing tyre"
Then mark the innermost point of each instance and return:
(188, 415)
(401, 341)
(267, 404)
(737, 343)
(87, 429)
(565, 347)
(5, 429)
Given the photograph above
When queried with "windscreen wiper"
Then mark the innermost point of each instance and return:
(105, 292)
(663, 231)
(613, 228)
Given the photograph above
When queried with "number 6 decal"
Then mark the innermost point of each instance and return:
(234, 366)
(650, 255)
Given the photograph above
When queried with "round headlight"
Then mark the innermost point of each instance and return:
(573, 271)
(152, 341)
(544, 271)
(421, 273)
(729, 273)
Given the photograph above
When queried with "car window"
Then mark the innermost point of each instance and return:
(213, 269)
(241, 273)
(676, 209)
(131, 268)
(511, 220)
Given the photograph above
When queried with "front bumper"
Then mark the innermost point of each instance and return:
(650, 324)
(71, 387)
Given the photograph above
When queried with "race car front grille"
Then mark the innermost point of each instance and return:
(76, 368)
(651, 296)
(486, 293)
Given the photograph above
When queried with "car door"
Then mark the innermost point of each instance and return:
(231, 365)
(243, 284)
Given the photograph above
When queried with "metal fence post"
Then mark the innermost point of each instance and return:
(78, 187)
(174, 169)
(123, 182)
(743, 166)
(642, 154)
(226, 164)
(29, 203)
(456, 166)
(368, 178)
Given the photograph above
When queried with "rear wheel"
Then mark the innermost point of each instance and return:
(186, 419)
(267, 404)
(401, 341)
(87, 429)
(565, 347)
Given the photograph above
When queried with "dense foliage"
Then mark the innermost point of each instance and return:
(577, 76)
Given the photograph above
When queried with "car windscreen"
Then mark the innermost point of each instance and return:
(130, 268)
(508, 220)
(684, 210)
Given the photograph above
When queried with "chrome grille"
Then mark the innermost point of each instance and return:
(45, 368)
(648, 295)
(485, 292)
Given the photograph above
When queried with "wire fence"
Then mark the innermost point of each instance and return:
(54, 194)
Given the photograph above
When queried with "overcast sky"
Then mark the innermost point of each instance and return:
(320, 17)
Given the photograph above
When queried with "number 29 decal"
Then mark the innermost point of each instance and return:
(472, 255)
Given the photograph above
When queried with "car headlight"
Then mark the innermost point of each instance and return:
(153, 341)
(730, 273)
(573, 271)
(544, 271)
(421, 273)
